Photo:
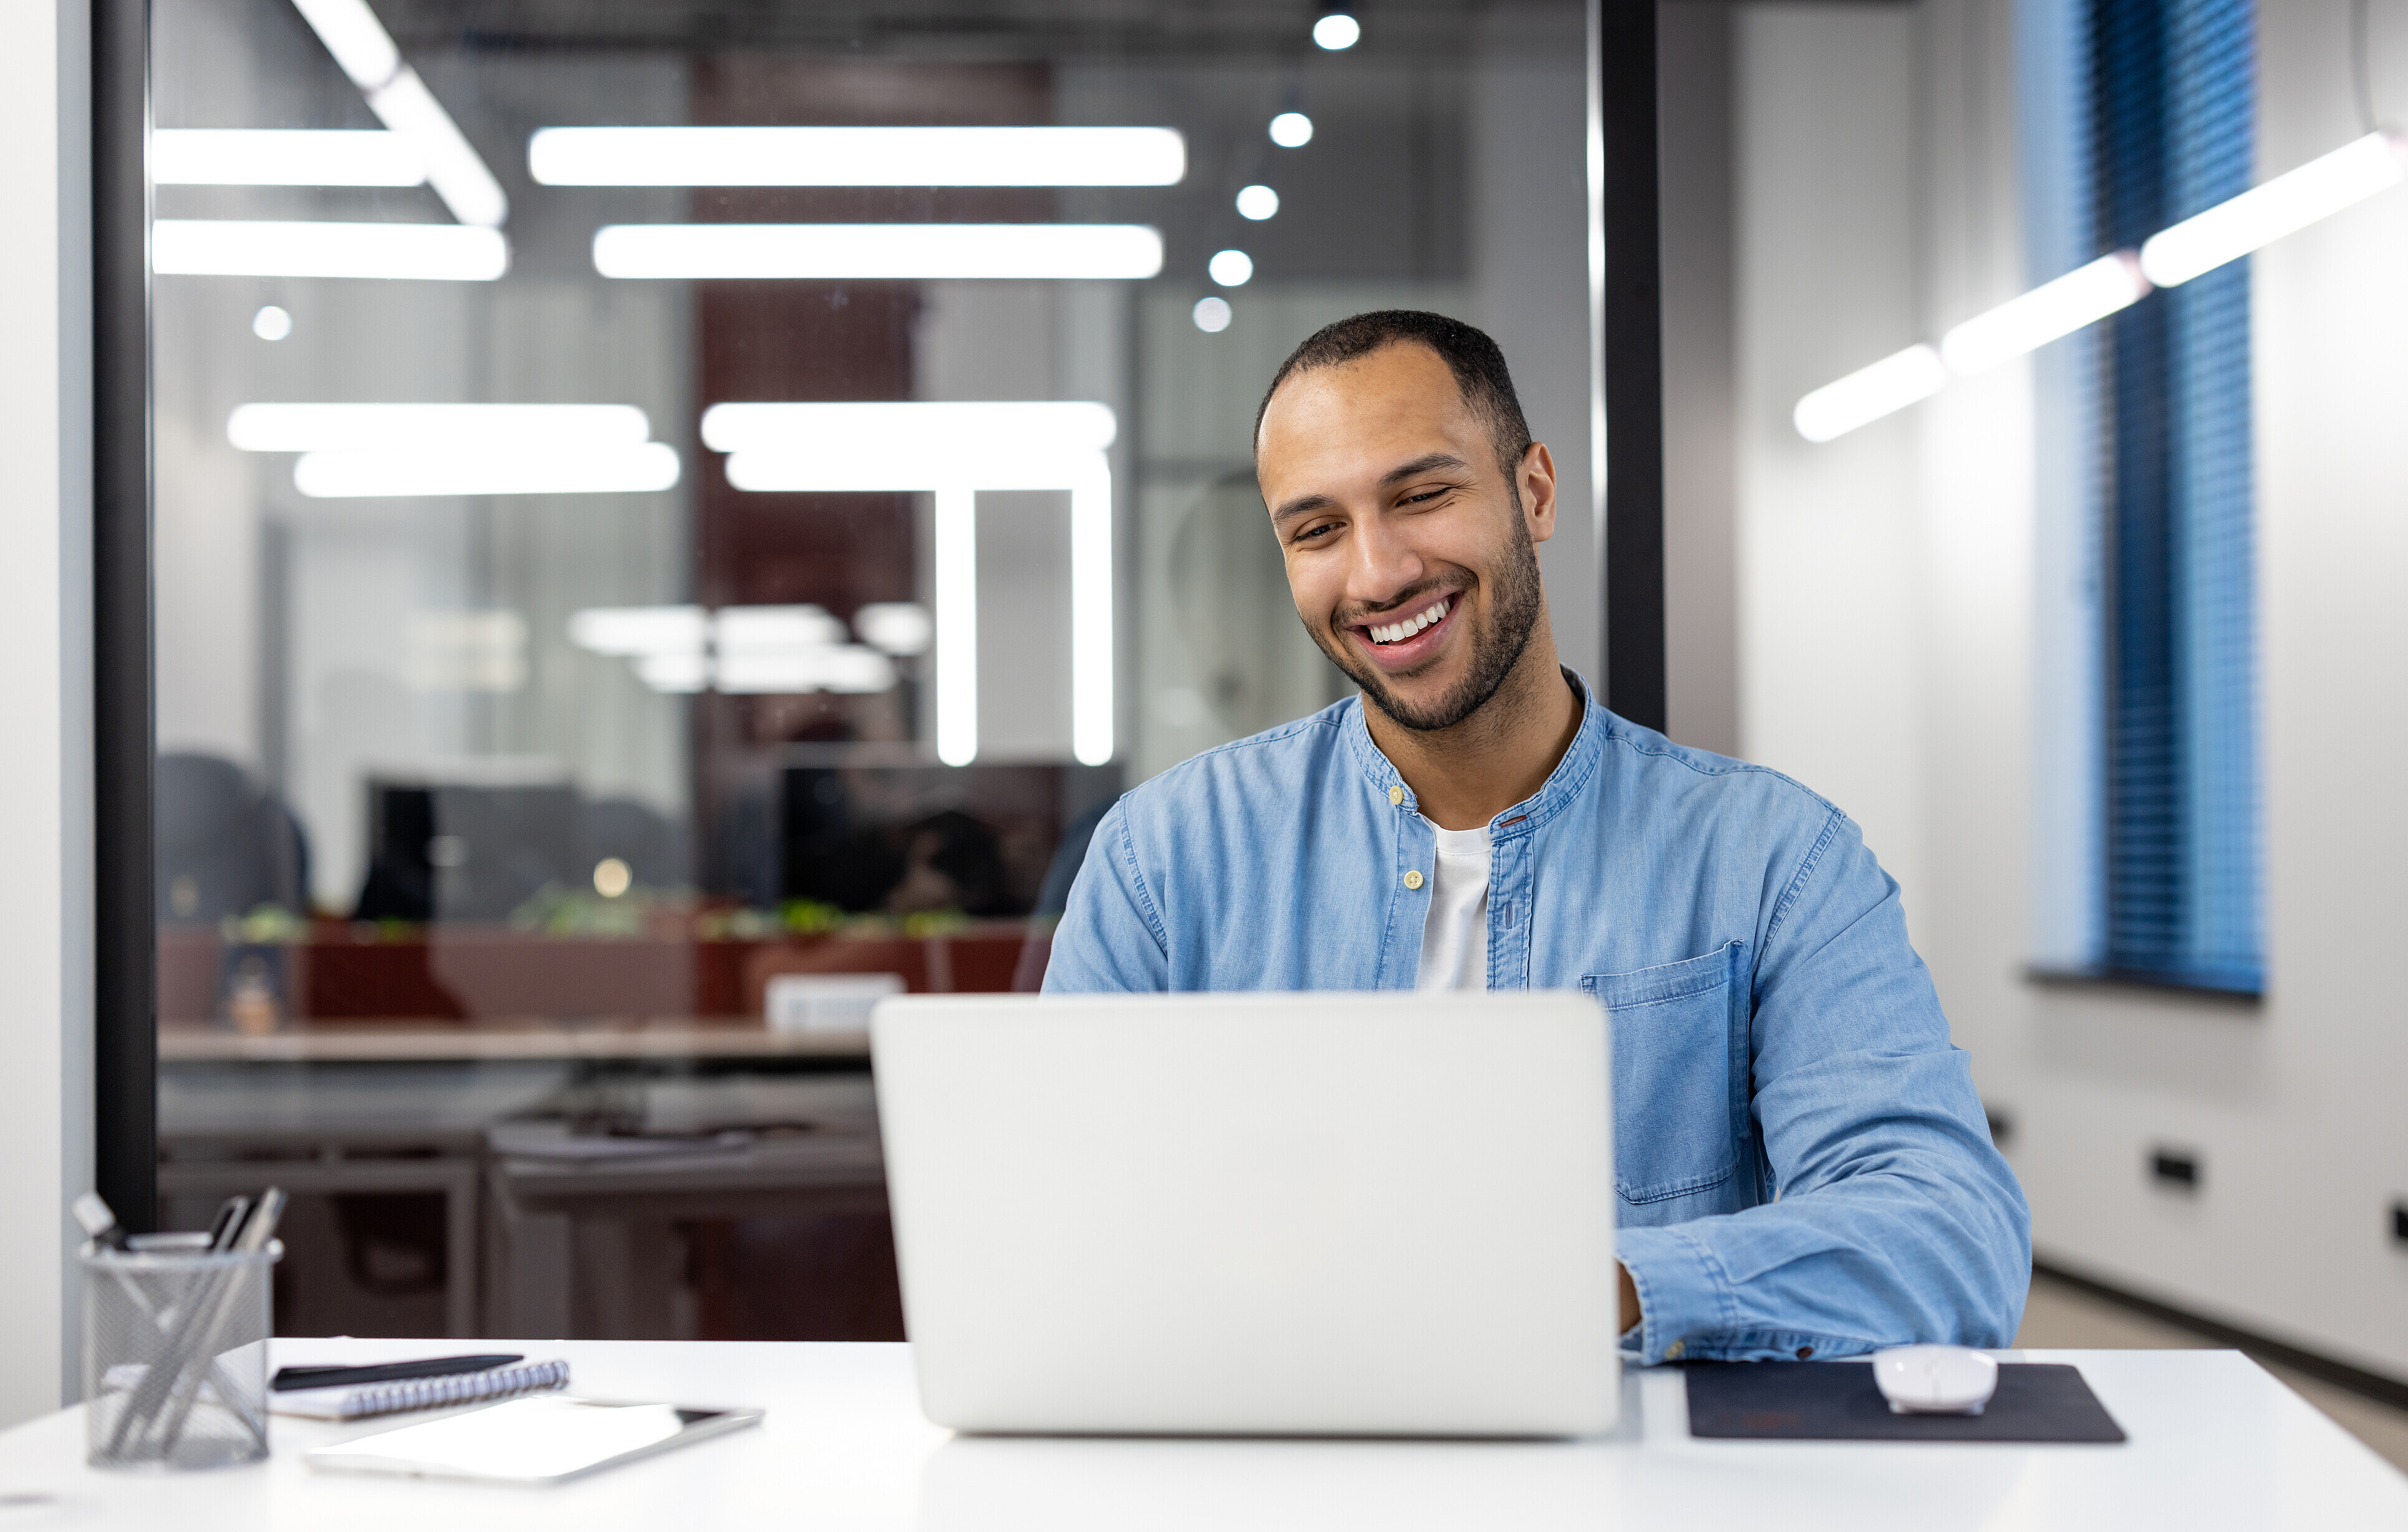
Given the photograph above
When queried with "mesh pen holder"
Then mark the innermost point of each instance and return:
(175, 1358)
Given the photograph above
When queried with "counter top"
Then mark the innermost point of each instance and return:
(2216, 1444)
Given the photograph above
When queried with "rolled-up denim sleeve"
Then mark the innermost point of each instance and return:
(1893, 1217)
(1110, 939)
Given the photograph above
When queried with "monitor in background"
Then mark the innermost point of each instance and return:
(452, 852)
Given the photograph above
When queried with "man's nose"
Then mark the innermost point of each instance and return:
(1382, 565)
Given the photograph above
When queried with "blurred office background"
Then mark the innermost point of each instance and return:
(527, 842)
(543, 793)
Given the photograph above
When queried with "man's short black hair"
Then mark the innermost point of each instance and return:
(1478, 365)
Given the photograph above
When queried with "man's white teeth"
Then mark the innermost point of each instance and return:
(1390, 633)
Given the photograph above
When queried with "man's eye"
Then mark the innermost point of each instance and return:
(1316, 530)
(1425, 495)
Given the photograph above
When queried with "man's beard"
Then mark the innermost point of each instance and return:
(1514, 596)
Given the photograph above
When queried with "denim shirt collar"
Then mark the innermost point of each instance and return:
(1563, 784)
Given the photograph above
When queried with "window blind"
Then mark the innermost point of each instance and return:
(2172, 110)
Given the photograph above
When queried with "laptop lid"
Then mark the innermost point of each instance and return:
(1280, 1213)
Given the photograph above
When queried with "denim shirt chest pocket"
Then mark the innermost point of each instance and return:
(1680, 1072)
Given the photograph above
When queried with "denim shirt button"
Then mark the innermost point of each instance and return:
(1414, 879)
(1673, 1352)
(1396, 796)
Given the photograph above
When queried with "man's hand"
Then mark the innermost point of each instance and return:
(1629, 1298)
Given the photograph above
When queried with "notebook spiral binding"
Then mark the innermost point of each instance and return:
(459, 1388)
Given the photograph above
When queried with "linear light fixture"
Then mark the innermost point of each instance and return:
(1868, 394)
(389, 427)
(2082, 296)
(284, 157)
(2263, 214)
(365, 53)
(228, 247)
(954, 450)
(735, 649)
(629, 631)
(946, 439)
(374, 450)
(2225, 233)
(879, 252)
(850, 156)
(463, 470)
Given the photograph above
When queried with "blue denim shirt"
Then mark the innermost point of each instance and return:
(1803, 1165)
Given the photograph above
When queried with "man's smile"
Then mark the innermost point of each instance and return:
(1407, 638)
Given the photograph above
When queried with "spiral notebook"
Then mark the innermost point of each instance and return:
(361, 1400)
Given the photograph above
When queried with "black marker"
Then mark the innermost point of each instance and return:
(289, 1379)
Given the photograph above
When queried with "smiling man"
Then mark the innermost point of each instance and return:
(1804, 1167)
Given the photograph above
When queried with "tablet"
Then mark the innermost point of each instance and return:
(540, 1441)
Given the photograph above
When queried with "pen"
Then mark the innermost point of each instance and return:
(186, 1378)
(228, 1222)
(289, 1379)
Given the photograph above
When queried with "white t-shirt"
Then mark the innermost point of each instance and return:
(1454, 934)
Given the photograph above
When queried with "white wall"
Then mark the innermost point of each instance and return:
(1828, 604)
(1889, 647)
(45, 632)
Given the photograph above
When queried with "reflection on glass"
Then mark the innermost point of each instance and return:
(732, 496)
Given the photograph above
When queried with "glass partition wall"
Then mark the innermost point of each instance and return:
(672, 520)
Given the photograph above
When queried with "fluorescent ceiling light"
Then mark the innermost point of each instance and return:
(2263, 214)
(737, 649)
(365, 53)
(453, 168)
(2226, 232)
(898, 627)
(836, 668)
(370, 427)
(1231, 268)
(362, 48)
(754, 629)
(1291, 129)
(674, 672)
(440, 252)
(826, 156)
(941, 441)
(1337, 32)
(954, 450)
(271, 322)
(640, 630)
(879, 252)
(791, 648)
(1868, 394)
(1213, 315)
(1257, 203)
(468, 651)
(284, 157)
(549, 469)
(953, 561)
(2056, 309)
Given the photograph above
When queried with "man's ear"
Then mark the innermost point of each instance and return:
(1535, 479)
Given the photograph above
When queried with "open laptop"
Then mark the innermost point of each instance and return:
(1266, 1214)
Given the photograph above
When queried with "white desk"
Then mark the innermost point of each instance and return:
(2216, 1444)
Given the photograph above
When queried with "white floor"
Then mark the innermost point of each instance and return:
(2059, 1315)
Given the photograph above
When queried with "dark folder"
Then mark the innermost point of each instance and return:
(1838, 1401)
